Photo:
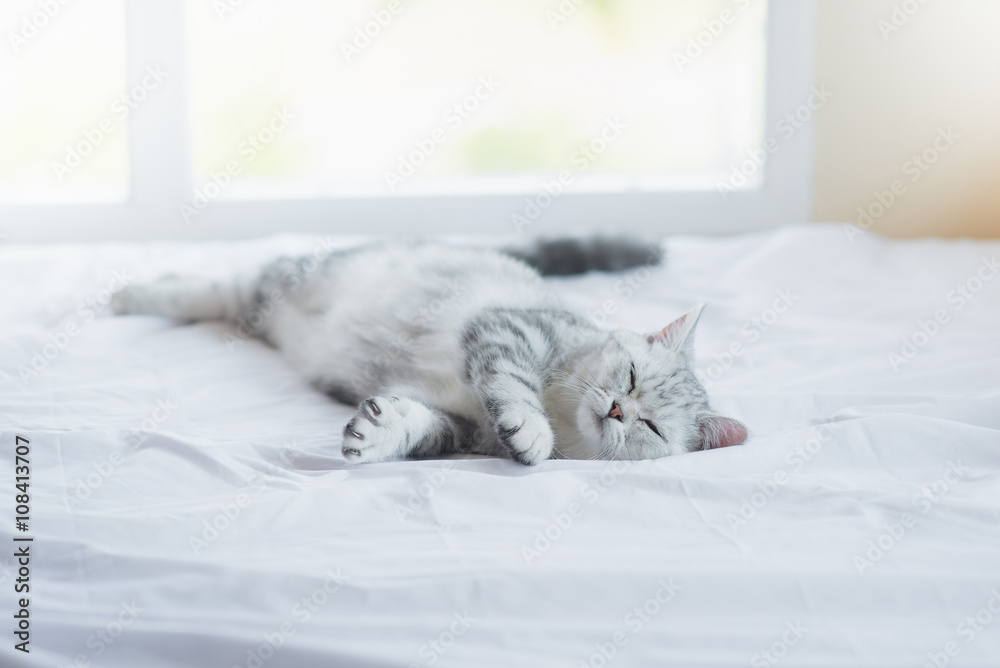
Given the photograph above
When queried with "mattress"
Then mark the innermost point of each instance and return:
(188, 505)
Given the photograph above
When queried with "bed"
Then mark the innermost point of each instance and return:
(189, 505)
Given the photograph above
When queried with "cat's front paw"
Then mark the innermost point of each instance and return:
(527, 435)
(377, 432)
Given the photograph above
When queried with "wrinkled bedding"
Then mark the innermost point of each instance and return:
(190, 507)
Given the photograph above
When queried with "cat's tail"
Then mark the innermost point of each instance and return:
(247, 297)
(569, 256)
(189, 297)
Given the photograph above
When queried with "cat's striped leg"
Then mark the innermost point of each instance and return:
(391, 428)
(503, 361)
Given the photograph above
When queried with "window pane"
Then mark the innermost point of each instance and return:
(62, 74)
(360, 97)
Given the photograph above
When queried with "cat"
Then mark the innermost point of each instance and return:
(447, 349)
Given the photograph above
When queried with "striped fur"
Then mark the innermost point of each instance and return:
(457, 350)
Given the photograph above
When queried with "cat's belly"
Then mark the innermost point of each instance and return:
(394, 320)
(355, 357)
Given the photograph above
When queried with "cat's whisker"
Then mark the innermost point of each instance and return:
(591, 383)
(628, 451)
(559, 452)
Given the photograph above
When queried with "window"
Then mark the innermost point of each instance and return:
(232, 118)
(64, 120)
(451, 97)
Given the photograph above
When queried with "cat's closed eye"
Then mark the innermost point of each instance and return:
(653, 428)
(631, 373)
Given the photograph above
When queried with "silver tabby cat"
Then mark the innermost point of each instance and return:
(447, 349)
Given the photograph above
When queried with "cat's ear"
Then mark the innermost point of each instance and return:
(721, 432)
(679, 335)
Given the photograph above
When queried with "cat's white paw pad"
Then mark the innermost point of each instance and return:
(376, 432)
(527, 435)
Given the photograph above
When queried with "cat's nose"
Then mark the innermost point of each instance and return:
(616, 412)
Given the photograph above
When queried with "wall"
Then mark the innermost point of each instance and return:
(894, 90)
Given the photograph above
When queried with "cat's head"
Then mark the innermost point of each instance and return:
(638, 398)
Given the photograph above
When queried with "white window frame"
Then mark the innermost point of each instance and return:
(161, 170)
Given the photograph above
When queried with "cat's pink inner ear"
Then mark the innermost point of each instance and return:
(676, 333)
(721, 432)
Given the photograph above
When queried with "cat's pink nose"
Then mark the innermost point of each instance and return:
(616, 411)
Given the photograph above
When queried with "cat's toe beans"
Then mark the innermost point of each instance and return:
(358, 440)
(379, 409)
(351, 430)
(370, 409)
(375, 433)
(356, 451)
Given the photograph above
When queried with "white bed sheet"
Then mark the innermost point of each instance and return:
(424, 563)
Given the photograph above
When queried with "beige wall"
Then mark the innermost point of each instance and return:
(941, 69)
